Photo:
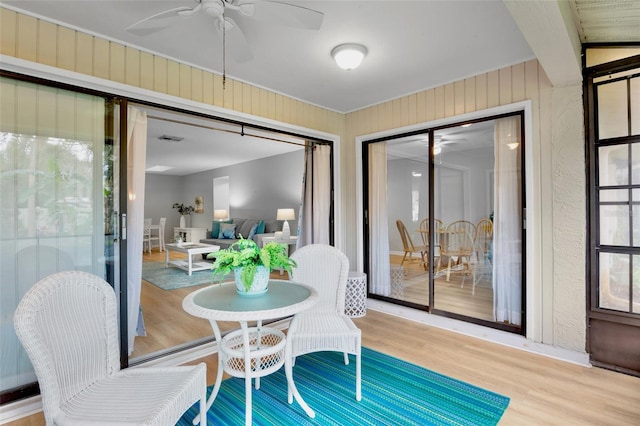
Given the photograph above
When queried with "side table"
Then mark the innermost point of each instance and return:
(355, 301)
(250, 352)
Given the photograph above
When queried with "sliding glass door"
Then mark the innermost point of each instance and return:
(58, 180)
(445, 231)
(398, 200)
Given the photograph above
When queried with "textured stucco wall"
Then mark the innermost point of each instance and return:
(569, 218)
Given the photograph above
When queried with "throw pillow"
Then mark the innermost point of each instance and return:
(227, 231)
(215, 227)
(260, 229)
(253, 231)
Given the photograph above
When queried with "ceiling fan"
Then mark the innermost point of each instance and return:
(228, 17)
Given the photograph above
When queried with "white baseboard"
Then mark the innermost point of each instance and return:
(495, 336)
(19, 409)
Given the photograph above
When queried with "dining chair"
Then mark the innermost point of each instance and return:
(483, 246)
(457, 242)
(482, 243)
(155, 238)
(409, 247)
(438, 227)
(323, 327)
(146, 235)
(67, 323)
(162, 224)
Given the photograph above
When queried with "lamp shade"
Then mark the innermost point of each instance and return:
(285, 214)
(349, 56)
(220, 214)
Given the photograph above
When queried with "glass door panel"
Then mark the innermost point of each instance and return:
(478, 267)
(398, 212)
(58, 200)
(464, 170)
(470, 242)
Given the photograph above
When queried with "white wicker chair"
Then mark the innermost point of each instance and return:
(68, 326)
(323, 327)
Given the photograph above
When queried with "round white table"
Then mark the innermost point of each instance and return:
(222, 303)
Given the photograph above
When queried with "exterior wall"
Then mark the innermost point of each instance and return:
(569, 209)
(556, 302)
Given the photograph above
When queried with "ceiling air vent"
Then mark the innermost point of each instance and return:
(170, 138)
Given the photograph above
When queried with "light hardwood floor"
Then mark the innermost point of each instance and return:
(543, 391)
(456, 295)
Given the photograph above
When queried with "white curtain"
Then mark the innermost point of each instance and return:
(315, 212)
(507, 243)
(380, 273)
(136, 158)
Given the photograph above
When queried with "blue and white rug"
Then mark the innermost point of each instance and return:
(394, 392)
(171, 278)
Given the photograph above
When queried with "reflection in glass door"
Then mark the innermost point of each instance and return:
(398, 232)
(463, 255)
(58, 180)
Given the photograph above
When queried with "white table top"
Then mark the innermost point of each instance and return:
(222, 302)
(193, 248)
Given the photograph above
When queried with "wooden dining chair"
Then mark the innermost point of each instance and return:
(482, 243)
(438, 227)
(409, 247)
(457, 242)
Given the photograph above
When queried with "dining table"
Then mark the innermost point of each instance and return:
(250, 352)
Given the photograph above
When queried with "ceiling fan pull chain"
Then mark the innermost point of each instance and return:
(224, 51)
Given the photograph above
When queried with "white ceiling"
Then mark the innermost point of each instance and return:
(413, 45)
(206, 144)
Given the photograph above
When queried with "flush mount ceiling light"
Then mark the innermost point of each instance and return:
(349, 56)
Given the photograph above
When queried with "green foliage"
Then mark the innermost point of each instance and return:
(246, 254)
(182, 209)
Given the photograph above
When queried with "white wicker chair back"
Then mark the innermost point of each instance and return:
(67, 325)
(326, 269)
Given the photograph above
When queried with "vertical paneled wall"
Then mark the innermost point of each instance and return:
(515, 83)
(39, 41)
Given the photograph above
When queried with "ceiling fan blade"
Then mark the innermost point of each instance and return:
(159, 21)
(286, 14)
(237, 45)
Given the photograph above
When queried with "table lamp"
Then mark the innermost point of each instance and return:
(286, 214)
(220, 214)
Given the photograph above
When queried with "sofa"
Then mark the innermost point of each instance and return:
(242, 227)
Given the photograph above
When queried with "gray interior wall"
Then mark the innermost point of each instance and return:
(160, 192)
(478, 162)
(257, 189)
(401, 182)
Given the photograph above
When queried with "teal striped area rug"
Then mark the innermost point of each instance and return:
(394, 392)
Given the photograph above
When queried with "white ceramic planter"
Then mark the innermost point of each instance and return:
(259, 285)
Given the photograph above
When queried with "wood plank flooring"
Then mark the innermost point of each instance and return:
(543, 391)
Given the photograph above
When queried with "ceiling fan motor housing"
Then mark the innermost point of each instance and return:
(213, 8)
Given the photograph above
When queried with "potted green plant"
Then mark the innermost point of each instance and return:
(250, 264)
(183, 210)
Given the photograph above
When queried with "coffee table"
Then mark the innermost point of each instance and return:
(189, 249)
